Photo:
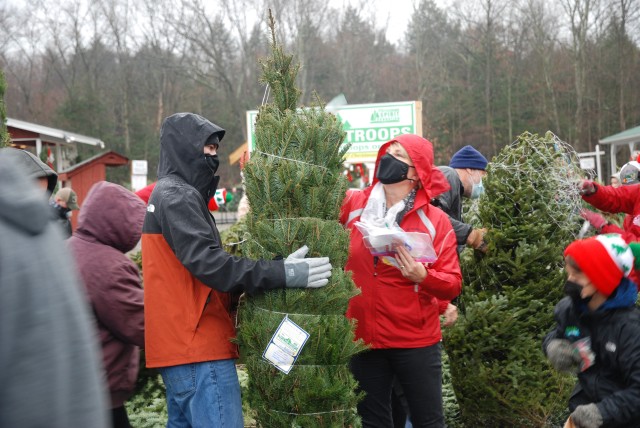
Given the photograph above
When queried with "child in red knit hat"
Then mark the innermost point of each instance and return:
(598, 332)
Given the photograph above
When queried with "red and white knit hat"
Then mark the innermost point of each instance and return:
(605, 259)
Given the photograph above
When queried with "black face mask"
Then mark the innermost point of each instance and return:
(392, 170)
(212, 162)
(573, 290)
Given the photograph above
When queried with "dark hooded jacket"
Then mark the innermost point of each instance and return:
(110, 224)
(391, 311)
(613, 382)
(188, 276)
(451, 203)
(50, 370)
(32, 166)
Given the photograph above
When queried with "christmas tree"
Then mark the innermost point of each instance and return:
(531, 204)
(4, 135)
(295, 187)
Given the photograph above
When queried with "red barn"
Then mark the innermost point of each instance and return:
(60, 147)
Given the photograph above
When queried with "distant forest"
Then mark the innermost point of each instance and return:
(485, 70)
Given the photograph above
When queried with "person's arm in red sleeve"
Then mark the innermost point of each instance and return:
(613, 228)
(614, 200)
(444, 280)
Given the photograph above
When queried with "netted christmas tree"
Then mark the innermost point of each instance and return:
(531, 208)
(295, 187)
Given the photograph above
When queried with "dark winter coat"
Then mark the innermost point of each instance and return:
(451, 203)
(189, 278)
(50, 369)
(391, 311)
(61, 217)
(613, 382)
(109, 225)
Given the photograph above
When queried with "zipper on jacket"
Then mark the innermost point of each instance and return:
(375, 265)
(203, 309)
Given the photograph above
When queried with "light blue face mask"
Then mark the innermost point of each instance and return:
(477, 189)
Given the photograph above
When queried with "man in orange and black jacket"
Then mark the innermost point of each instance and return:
(189, 280)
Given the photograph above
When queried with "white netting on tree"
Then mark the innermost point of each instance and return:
(539, 179)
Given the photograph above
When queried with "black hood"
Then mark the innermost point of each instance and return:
(182, 140)
(32, 166)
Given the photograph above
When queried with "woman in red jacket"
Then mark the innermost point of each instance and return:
(397, 311)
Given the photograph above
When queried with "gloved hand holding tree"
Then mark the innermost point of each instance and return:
(563, 356)
(596, 220)
(587, 416)
(587, 187)
(301, 272)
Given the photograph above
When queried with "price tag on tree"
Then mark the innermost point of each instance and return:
(285, 345)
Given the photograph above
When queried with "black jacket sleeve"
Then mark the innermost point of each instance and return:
(451, 203)
(623, 406)
(191, 235)
(560, 315)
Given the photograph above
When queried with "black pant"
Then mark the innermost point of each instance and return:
(419, 372)
(119, 417)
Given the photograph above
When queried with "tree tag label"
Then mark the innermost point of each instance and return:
(285, 345)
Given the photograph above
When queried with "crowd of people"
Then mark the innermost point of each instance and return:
(74, 316)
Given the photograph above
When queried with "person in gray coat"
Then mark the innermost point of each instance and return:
(50, 368)
(464, 174)
(33, 167)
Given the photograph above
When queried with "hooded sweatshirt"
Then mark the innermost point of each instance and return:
(110, 224)
(50, 371)
(391, 311)
(188, 277)
(32, 166)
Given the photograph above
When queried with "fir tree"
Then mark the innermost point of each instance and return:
(295, 187)
(499, 372)
(4, 134)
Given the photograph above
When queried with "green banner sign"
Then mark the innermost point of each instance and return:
(367, 126)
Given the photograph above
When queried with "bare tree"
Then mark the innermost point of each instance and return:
(580, 17)
(119, 18)
(543, 26)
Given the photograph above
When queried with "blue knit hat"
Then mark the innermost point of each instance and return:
(468, 157)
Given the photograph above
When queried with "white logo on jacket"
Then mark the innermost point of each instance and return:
(611, 347)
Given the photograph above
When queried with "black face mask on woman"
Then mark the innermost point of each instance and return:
(392, 170)
(212, 162)
(573, 290)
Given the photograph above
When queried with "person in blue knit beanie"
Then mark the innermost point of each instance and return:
(464, 173)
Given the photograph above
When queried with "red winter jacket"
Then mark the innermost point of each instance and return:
(391, 311)
(623, 199)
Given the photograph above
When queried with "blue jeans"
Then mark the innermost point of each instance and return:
(203, 395)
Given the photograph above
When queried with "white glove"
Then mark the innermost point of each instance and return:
(306, 273)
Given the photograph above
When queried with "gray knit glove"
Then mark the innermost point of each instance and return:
(562, 356)
(587, 416)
